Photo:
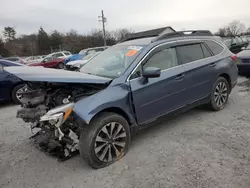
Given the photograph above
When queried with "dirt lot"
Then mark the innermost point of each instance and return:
(198, 149)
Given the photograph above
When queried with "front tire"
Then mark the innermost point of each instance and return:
(15, 97)
(105, 141)
(220, 94)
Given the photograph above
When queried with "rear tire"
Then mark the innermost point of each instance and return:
(219, 95)
(14, 95)
(105, 140)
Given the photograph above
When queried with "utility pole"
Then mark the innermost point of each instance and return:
(103, 20)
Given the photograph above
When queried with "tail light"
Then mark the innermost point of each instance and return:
(234, 58)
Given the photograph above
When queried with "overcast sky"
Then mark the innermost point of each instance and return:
(82, 15)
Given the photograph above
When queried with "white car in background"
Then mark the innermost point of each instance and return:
(33, 59)
(77, 64)
(62, 54)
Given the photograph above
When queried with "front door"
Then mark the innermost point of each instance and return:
(155, 97)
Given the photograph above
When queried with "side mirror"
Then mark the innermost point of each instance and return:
(151, 72)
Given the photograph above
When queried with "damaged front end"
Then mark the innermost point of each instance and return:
(58, 135)
(48, 107)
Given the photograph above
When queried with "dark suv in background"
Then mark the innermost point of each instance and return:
(236, 44)
(126, 87)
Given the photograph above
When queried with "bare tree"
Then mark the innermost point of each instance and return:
(235, 28)
(222, 32)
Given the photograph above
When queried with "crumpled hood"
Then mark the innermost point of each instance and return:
(54, 75)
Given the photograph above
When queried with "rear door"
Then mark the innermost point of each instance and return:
(199, 65)
(158, 96)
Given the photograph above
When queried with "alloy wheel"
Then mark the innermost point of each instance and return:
(221, 94)
(110, 142)
(18, 95)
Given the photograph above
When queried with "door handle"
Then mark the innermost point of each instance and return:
(179, 77)
(212, 64)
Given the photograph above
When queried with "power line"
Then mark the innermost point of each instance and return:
(103, 20)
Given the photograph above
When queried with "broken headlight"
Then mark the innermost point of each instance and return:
(57, 116)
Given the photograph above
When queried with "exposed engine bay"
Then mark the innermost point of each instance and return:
(48, 108)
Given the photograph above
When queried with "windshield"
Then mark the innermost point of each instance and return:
(82, 52)
(113, 61)
(88, 56)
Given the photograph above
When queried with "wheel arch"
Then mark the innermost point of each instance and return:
(227, 77)
(14, 85)
(116, 110)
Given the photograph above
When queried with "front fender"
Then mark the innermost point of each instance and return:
(116, 96)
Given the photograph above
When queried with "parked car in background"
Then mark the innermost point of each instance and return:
(50, 62)
(73, 57)
(33, 59)
(125, 88)
(243, 61)
(15, 59)
(245, 40)
(234, 44)
(62, 54)
(9, 83)
(77, 64)
(83, 53)
(92, 50)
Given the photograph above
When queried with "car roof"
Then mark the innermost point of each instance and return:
(141, 41)
(150, 40)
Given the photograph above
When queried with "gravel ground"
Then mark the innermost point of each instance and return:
(198, 149)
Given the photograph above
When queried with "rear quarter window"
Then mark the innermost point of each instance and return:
(214, 47)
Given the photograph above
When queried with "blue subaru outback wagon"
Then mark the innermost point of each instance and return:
(129, 85)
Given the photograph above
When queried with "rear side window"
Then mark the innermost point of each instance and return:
(215, 47)
(58, 55)
(205, 51)
(189, 53)
(66, 53)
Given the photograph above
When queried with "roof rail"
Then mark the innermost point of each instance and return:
(148, 33)
(183, 33)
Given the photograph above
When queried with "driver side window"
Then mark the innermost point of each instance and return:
(163, 59)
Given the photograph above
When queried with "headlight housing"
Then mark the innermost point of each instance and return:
(57, 116)
(77, 65)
